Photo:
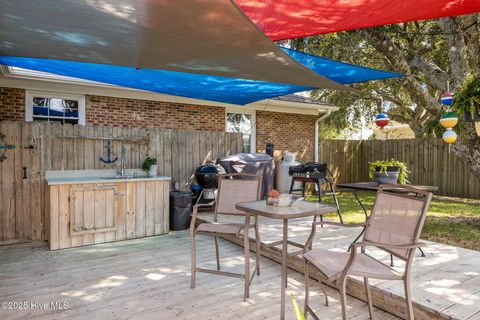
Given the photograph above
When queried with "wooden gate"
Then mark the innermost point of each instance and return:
(44, 146)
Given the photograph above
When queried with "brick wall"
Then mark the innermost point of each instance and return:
(121, 112)
(288, 131)
(12, 104)
(101, 110)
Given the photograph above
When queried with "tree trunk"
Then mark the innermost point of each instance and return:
(467, 148)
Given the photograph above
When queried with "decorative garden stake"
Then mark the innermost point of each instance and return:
(4, 146)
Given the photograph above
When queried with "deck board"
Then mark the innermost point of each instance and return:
(445, 284)
(148, 278)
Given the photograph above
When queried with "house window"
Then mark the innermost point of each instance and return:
(243, 122)
(47, 106)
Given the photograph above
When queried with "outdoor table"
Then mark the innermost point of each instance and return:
(373, 187)
(299, 209)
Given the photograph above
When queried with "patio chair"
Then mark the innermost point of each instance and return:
(232, 189)
(394, 226)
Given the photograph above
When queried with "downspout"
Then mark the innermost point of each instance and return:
(317, 123)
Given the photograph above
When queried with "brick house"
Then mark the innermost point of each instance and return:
(288, 122)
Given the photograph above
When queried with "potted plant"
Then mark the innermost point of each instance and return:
(150, 165)
(467, 101)
(388, 171)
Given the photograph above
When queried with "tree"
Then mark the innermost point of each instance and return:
(431, 52)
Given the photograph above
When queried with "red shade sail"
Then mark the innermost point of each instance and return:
(289, 19)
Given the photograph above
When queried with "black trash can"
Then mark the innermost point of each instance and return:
(180, 209)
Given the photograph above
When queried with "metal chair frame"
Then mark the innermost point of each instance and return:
(246, 240)
(341, 280)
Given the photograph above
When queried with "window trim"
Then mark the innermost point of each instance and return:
(253, 133)
(29, 94)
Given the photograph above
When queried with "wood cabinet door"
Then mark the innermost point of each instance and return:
(93, 210)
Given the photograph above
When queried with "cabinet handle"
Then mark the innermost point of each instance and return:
(118, 194)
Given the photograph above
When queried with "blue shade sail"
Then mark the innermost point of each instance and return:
(340, 72)
(189, 85)
(201, 86)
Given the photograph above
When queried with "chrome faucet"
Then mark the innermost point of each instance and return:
(123, 163)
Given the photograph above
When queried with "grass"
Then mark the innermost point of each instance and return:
(452, 221)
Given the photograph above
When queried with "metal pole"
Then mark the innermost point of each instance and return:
(284, 267)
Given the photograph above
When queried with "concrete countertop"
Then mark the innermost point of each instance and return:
(59, 177)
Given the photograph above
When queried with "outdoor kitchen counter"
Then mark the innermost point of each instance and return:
(98, 176)
(86, 207)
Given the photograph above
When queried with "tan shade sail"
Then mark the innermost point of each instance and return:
(209, 37)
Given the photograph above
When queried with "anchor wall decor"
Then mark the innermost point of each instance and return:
(4, 147)
(109, 155)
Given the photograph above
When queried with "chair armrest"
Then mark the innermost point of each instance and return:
(195, 212)
(346, 225)
(200, 205)
(388, 246)
(353, 252)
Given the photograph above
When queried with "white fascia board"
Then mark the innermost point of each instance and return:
(290, 107)
(84, 87)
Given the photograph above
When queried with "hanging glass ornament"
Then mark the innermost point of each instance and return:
(449, 119)
(446, 98)
(382, 120)
(449, 136)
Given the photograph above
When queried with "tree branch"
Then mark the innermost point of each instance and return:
(384, 43)
(435, 75)
(389, 97)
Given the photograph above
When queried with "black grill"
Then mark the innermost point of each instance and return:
(309, 167)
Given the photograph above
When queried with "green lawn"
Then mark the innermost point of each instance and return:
(453, 221)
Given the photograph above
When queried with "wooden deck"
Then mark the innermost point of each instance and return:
(147, 279)
(445, 284)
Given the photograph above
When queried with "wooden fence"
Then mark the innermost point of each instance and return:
(52, 146)
(428, 160)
